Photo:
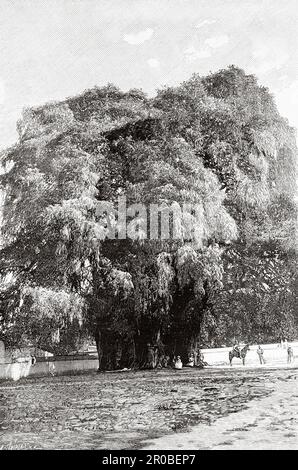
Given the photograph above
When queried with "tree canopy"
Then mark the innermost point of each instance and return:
(216, 143)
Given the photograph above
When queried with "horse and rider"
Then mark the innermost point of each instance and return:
(238, 352)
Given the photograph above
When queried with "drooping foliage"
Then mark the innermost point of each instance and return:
(216, 144)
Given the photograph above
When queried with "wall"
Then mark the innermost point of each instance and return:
(16, 370)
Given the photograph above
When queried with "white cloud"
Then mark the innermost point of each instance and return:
(217, 41)
(154, 63)
(2, 92)
(191, 53)
(138, 38)
(205, 23)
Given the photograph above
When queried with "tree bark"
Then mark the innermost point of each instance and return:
(98, 341)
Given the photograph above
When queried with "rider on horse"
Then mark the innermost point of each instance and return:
(236, 349)
(239, 352)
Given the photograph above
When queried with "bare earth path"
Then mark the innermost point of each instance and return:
(189, 409)
(269, 423)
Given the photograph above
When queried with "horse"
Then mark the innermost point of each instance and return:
(240, 355)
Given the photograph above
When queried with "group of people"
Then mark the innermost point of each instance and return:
(177, 363)
(260, 352)
(290, 354)
(157, 359)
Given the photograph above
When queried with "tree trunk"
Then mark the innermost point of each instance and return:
(149, 347)
(98, 341)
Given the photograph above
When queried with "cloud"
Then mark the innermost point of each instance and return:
(138, 38)
(205, 23)
(191, 53)
(217, 41)
(154, 63)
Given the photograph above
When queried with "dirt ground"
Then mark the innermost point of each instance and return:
(167, 409)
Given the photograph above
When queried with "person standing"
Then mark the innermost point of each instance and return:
(260, 353)
(290, 354)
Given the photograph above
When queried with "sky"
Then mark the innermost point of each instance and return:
(53, 49)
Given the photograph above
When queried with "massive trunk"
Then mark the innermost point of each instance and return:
(149, 347)
(188, 312)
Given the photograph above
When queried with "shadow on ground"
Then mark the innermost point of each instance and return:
(124, 410)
